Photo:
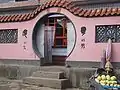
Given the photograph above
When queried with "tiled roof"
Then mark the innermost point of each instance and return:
(76, 10)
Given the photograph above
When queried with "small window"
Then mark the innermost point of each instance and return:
(8, 35)
(104, 32)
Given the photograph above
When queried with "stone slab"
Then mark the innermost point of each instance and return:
(44, 74)
(47, 82)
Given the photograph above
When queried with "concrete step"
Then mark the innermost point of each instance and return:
(47, 82)
(44, 74)
(53, 68)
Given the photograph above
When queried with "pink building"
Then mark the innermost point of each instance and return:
(59, 32)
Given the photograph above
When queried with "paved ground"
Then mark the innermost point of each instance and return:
(6, 84)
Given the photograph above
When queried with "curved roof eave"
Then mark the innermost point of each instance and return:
(69, 5)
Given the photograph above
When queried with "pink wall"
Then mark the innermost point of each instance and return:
(92, 52)
(16, 51)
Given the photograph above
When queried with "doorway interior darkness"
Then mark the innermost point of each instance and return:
(59, 23)
(60, 34)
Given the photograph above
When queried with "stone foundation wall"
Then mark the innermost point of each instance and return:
(17, 71)
(80, 76)
(77, 76)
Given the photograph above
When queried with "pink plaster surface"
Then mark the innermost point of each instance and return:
(16, 50)
(92, 51)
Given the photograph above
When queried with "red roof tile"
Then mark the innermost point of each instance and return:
(10, 17)
(43, 6)
(66, 4)
(2, 19)
(32, 15)
(36, 11)
(74, 9)
(17, 18)
(114, 11)
(82, 12)
(69, 7)
(6, 18)
(57, 2)
(48, 3)
(62, 3)
(28, 17)
(22, 16)
(39, 9)
(93, 12)
(77, 11)
(103, 12)
(109, 11)
(118, 11)
(87, 13)
(13, 18)
(100, 12)
(53, 2)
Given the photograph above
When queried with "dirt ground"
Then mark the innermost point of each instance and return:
(6, 84)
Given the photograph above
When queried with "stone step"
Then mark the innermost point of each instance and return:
(53, 68)
(45, 74)
(47, 82)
